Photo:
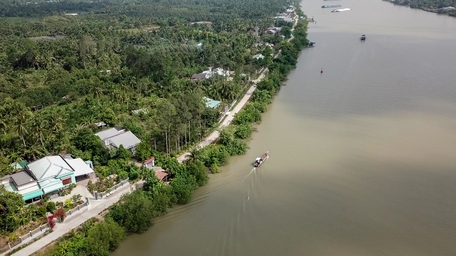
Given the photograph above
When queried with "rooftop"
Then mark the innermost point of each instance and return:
(150, 160)
(80, 167)
(118, 136)
(258, 56)
(22, 178)
(19, 165)
(103, 135)
(127, 139)
(49, 167)
(210, 103)
(161, 175)
(100, 124)
(200, 76)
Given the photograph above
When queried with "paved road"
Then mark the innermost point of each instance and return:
(229, 117)
(214, 135)
(60, 229)
(97, 206)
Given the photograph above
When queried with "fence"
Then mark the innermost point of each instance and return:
(227, 110)
(109, 191)
(76, 209)
(36, 233)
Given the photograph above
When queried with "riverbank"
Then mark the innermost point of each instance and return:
(227, 119)
(337, 140)
(156, 197)
(430, 7)
(238, 107)
(231, 137)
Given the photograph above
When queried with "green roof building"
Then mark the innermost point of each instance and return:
(210, 103)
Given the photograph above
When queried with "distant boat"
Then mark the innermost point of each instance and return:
(341, 10)
(331, 6)
(363, 38)
(260, 160)
(312, 43)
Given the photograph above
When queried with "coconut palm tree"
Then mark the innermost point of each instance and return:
(38, 127)
(35, 151)
(21, 129)
(195, 154)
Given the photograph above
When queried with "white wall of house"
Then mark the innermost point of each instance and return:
(28, 189)
(26, 186)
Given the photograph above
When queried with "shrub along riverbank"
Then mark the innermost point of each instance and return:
(233, 139)
(135, 212)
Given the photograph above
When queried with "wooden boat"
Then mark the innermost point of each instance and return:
(260, 160)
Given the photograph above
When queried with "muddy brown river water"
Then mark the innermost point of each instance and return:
(362, 156)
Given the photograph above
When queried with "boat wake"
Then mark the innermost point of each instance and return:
(248, 174)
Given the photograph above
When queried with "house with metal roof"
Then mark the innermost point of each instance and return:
(210, 103)
(23, 184)
(52, 173)
(114, 137)
(46, 175)
(80, 167)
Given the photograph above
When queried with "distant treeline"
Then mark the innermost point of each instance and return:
(437, 6)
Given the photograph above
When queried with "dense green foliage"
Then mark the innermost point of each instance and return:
(62, 74)
(430, 5)
(92, 239)
(232, 140)
(11, 205)
(134, 212)
(104, 238)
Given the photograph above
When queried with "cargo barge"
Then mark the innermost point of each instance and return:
(331, 6)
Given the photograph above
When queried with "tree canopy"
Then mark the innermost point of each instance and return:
(61, 73)
(130, 64)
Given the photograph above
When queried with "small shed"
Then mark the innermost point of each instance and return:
(150, 163)
(160, 173)
(163, 176)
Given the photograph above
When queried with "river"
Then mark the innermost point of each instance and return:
(362, 156)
